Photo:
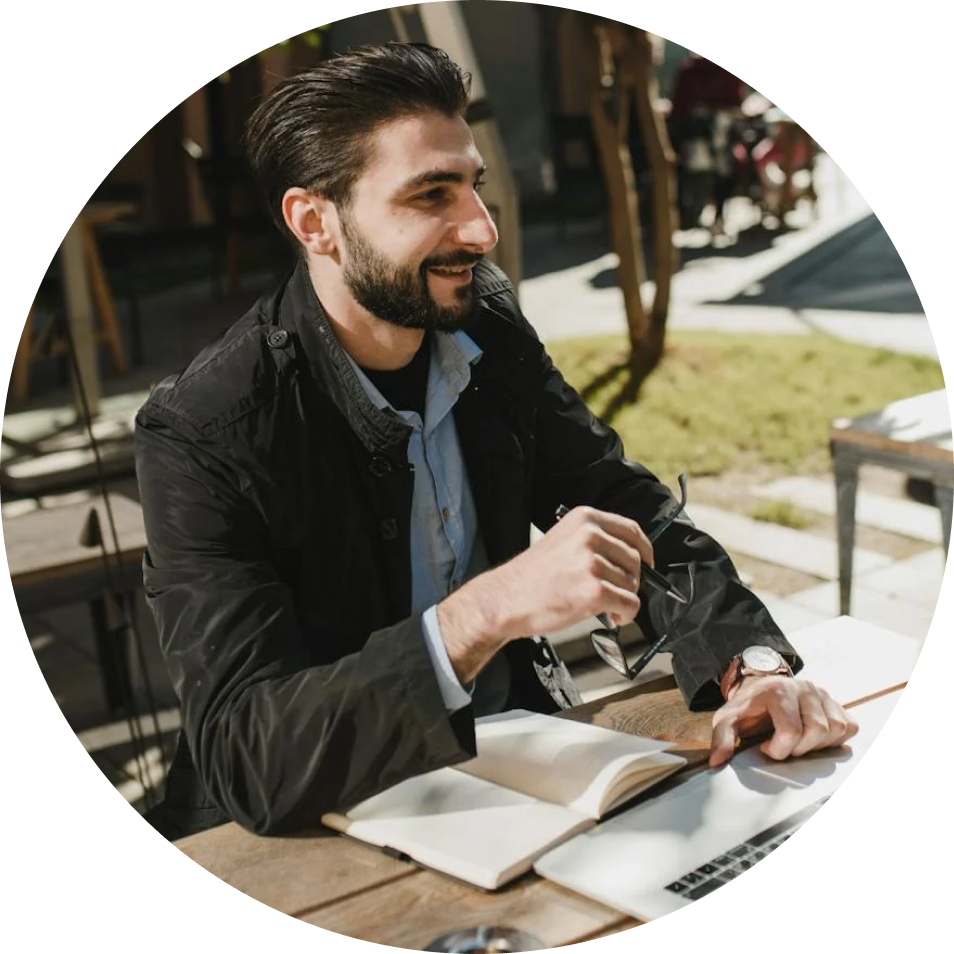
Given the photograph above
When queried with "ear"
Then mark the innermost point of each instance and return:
(312, 219)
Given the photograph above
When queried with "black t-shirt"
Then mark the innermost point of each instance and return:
(406, 388)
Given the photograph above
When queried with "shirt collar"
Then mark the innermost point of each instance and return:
(452, 355)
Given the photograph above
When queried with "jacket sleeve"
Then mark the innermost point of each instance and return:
(276, 741)
(580, 460)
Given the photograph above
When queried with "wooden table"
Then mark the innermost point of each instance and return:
(354, 890)
(50, 566)
(912, 436)
(346, 887)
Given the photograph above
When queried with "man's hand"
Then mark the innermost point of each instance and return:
(803, 716)
(588, 563)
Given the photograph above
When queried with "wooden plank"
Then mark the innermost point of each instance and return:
(293, 874)
(919, 426)
(937, 453)
(656, 708)
(414, 911)
(45, 545)
(624, 925)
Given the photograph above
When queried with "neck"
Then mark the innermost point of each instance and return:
(372, 342)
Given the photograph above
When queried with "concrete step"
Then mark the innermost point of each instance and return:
(782, 546)
(892, 514)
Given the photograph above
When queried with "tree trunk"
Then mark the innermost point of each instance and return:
(618, 78)
(662, 162)
(609, 114)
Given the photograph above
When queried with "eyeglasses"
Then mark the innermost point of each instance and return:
(606, 639)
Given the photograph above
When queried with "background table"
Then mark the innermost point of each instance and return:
(50, 566)
(912, 436)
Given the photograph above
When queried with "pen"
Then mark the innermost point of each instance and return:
(647, 575)
(648, 656)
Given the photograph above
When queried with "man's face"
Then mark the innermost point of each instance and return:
(415, 225)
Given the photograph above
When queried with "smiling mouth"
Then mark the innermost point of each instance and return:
(456, 271)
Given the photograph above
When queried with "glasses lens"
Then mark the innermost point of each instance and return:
(609, 650)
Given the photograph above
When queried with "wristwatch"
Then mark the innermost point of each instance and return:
(753, 661)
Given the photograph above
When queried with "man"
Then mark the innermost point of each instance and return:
(338, 493)
(706, 98)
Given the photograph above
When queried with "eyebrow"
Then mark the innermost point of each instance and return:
(437, 177)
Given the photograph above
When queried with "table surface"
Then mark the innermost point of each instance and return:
(918, 426)
(343, 886)
(352, 889)
(44, 545)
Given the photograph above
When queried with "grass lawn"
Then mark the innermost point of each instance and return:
(751, 405)
(734, 411)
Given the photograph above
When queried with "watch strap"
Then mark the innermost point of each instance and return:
(735, 672)
(731, 677)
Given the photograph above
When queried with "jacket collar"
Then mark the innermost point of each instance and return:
(298, 310)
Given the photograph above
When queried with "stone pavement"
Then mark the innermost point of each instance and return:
(837, 274)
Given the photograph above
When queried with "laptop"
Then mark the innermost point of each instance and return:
(669, 851)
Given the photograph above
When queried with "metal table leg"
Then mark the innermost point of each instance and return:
(944, 495)
(112, 651)
(846, 492)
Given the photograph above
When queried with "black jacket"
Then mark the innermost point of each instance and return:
(277, 505)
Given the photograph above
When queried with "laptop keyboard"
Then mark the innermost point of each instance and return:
(721, 870)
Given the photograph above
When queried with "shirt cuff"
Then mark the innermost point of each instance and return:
(455, 696)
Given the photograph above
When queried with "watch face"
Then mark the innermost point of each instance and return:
(762, 659)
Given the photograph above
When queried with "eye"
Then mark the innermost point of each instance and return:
(432, 195)
(479, 184)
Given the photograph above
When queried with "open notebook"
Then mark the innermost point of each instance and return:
(660, 855)
(537, 781)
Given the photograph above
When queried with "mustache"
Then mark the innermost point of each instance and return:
(453, 260)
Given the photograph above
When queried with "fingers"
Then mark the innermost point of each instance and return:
(623, 538)
(724, 737)
(803, 718)
(826, 724)
(732, 722)
(593, 562)
(818, 723)
(617, 538)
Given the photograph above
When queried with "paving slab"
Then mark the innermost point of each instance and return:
(908, 617)
(908, 518)
(792, 616)
(782, 546)
(917, 579)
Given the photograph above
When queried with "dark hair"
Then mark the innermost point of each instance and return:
(313, 129)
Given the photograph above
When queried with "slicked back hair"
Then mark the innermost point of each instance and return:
(313, 130)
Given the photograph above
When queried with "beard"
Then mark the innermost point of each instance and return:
(398, 294)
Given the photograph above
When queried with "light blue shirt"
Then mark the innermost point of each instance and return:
(446, 546)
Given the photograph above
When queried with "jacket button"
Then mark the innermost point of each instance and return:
(277, 339)
(389, 528)
(379, 467)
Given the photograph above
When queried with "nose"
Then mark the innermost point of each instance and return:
(476, 228)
